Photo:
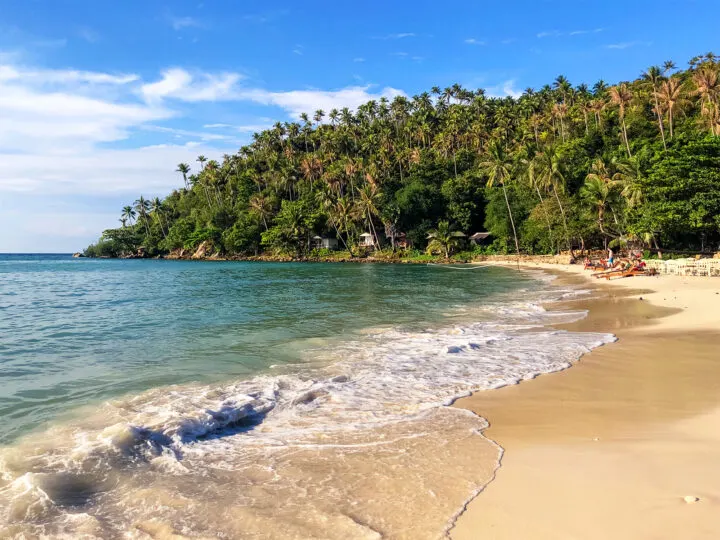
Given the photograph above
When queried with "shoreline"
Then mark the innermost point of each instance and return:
(610, 447)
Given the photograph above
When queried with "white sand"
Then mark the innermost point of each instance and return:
(611, 447)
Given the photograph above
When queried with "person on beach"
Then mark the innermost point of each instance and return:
(611, 258)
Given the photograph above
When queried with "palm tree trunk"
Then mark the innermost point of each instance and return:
(562, 212)
(512, 223)
(660, 122)
(670, 118)
(627, 144)
(547, 219)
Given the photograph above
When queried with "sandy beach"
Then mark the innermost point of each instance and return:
(612, 447)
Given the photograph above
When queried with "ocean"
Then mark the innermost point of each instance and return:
(145, 398)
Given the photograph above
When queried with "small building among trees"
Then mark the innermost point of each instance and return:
(367, 240)
(321, 242)
(480, 238)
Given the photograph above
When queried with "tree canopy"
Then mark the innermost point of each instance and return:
(559, 167)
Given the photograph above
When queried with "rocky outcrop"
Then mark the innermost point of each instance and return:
(203, 251)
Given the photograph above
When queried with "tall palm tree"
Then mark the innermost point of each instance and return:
(549, 174)
(128, 214)
(653, 77)
(368, 200)
(598, 190)
(621, 96)
(707, 88)
(499, 166)
(671, 98)
(156, 207)
(443, 239)
(261, 207)
(142, 206)
(184, 169)
(201, 159)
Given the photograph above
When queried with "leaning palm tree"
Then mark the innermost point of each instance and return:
(621, 96)
(443, 239)
(498, 168)
(157, 209)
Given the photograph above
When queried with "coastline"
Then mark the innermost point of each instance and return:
(610, 448)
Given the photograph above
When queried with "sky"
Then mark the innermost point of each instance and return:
(100, 100)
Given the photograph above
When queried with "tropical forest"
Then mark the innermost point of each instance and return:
(563, 168)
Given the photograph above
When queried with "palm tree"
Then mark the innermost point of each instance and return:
(369, 197)
(671, 98)
(653, 77)
(157, 208)
(142, 205)
(261, 207)
(498, 168)
(707, 88)
(629, 175)
(549, 174)
(184, 169)
(443, 239)
(597, 190)
(128, 214)
(201, 159)
(621, 96)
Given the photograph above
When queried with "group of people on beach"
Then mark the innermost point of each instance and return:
(631, 265)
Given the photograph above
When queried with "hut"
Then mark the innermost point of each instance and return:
(366, 240)
(480, 238)
(323, 242)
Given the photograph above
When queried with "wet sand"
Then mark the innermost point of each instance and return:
(610, 447)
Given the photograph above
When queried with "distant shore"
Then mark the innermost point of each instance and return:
(625, 443)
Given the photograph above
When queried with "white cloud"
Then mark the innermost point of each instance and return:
(59, 111)
(88, 34)
(69, 135)
(504, 90)
(149, 170)
(180, 23)
(52, 76)
(399, 35)
(358, 59)
(179, 84)
(473, 41)
(296, 102)
(557, 33)
(627, 44)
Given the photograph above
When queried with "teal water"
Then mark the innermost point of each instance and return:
(75, 331)
(149, 398)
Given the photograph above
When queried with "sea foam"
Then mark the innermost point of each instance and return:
(302, 450)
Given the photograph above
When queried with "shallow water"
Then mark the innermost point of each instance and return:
(148, 398)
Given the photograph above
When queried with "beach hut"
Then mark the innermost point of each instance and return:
(323, 242)
(480, 238)
(366, 240)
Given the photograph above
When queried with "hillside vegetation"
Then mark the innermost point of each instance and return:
(634, 164)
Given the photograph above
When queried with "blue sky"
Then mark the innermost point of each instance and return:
(100, 100)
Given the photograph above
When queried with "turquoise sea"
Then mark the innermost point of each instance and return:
(151, 391)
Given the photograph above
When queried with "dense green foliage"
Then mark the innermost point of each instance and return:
(636, 163)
